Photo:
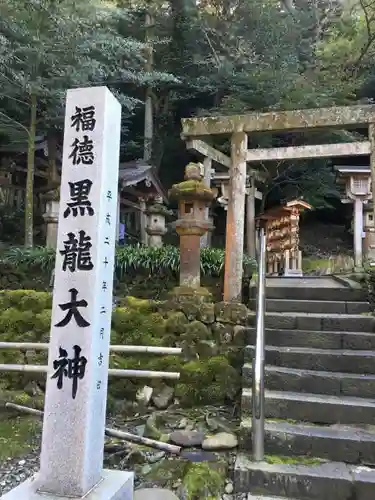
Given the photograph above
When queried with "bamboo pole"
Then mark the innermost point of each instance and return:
(112, 372)
(130, 349)
(126, 436)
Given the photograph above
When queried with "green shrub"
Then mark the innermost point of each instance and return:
(130, 260)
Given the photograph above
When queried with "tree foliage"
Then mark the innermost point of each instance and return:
(208, 57)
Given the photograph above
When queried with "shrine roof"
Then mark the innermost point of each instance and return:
(137, 171)
(280, 210)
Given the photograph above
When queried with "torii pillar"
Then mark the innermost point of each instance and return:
(235, 226)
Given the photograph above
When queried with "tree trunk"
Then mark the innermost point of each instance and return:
(29, 198)
(149, 118)
(53, 175)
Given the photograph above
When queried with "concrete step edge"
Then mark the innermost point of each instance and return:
(319, 315)
(325, 481)
(321, 373)
(316, 351)
(315, 398)
(354, 434)
(262, 497)
(303, 332)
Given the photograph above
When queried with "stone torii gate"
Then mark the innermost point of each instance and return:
(238, 126)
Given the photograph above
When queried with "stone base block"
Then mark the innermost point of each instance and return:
(115, 485)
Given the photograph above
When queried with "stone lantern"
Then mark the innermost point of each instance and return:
(357, 181)
(194, 198)
(156, 228)
(51, 216)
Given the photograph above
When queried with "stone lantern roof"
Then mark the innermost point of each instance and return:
(192, 188)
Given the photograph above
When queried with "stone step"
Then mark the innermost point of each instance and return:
(304, 358)
(328, 481)
(313, 382)
(262, 497)
(316, 322)
(315, 339)
(314, 293)
(336, 443)
(314, 408)
(313, 306)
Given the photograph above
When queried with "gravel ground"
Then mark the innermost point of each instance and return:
(125, 456)
(15, 470)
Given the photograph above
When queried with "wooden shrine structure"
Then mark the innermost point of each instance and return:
(238, 127)
(284, 257)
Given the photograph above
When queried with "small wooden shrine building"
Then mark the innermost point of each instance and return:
(284, 256)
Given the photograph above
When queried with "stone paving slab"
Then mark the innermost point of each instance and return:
(154, 494)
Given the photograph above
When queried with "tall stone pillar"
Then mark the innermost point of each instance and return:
(207, 165)
(369, 234)
(358, 232)
(194, 197)
(51, 216)
(250, 220)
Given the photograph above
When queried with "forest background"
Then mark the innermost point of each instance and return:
(166, 60)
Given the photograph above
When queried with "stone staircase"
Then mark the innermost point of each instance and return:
(320, 395)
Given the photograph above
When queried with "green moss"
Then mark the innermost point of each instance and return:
(279, 459)
(206, 313)
(191, 190)
(176, 322)
(311, 264)
(26, 300)
(228, 312)
(143, 305)
(208, 379)
(17, 435)
(136, 327)
(195, 331)
(168, 472)
(204, 480)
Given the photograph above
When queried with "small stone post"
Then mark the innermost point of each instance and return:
(156, 229)
(194, 197)
(51, 216)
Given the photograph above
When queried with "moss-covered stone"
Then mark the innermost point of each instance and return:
(239, 335)
(28, 300)
(223, 332)
(207, 373)
(206, 313)
(206, 349)
(176, 322)
(180, 294)
(195, 331)
(231, 312)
